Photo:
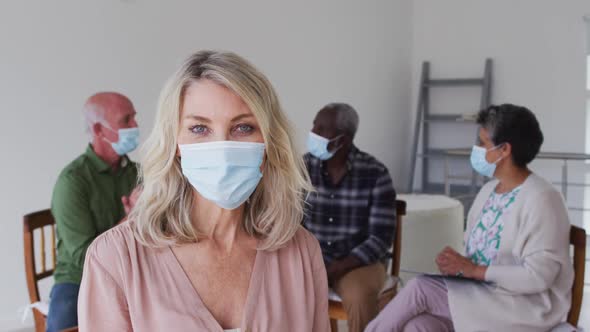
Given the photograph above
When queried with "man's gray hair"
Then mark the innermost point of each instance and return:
(347, 119)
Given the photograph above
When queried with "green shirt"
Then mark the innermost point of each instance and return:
(87, 202)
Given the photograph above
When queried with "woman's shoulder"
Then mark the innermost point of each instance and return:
(536, 188)
(303, 250)
(303, 236)
(539, 183)
(541, 202)
(303, 240)
(113, 246)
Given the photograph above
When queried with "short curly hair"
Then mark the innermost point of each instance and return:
(516, 125)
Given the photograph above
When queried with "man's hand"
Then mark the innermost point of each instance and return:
(129, 201)
(339, 268)
(452, 263)
(335, 271)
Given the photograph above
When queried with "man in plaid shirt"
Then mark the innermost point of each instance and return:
(352, 212)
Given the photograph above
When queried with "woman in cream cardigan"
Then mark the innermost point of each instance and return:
(516, 245)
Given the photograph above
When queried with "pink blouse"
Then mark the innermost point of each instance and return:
(129, 287)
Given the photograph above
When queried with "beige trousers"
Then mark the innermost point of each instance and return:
(359, 290)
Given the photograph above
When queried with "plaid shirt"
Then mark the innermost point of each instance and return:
(355, 217)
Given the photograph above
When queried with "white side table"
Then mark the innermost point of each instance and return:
(431, 223)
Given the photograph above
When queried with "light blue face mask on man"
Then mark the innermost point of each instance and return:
(128, 140)
(318, 146)
(480, 163)
(224, 172)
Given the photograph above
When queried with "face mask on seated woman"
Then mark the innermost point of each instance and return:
(480, 163)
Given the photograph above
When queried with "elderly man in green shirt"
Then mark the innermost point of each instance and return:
(92, 194)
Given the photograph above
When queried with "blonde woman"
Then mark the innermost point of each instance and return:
(214, 242)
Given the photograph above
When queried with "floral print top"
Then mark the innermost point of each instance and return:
(484, 241)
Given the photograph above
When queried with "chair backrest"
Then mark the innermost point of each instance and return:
(578, 240)
(38, 220)
(400, 211)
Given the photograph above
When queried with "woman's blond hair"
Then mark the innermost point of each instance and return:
(274, 211)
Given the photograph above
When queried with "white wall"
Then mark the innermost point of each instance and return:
(538, 49)
(53, 54)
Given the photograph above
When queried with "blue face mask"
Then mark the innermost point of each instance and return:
(318, 146)
(224, 172)
(479, 162)
(128, 140)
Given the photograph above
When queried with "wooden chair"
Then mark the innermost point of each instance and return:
(336, 309)
(578, 240)
(40, 220)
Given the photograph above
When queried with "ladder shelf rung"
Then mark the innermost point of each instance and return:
(454, 82)
(453, 118)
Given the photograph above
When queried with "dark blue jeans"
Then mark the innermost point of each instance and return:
(63, 307)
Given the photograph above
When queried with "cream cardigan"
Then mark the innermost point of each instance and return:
(532, 274)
